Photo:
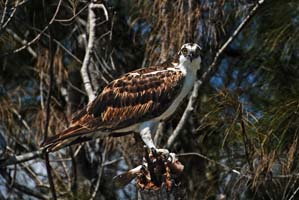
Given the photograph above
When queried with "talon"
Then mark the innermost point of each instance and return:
(154, 152)
(171, 158)
(163, 151)
(143, 168)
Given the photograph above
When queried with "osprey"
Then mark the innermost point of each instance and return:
(135, 102)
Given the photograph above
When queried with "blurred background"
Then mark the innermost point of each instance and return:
(246, 116)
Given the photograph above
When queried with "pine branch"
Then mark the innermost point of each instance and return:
(208, 74)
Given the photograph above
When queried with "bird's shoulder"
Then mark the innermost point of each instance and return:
(140, 93)
(144, 79)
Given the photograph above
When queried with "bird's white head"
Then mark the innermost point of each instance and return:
(189, 55)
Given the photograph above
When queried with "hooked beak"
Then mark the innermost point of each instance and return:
(191, 56)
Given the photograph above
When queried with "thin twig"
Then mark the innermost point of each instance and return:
(51, 74)
(14, 174)
(208, 74)
(36, 37)
(23, 188)
(107, 163)
(4, 13)
(227, 168)
(294, 193)
(59, 44)
(23, 2)
(21, 119)
(3, 26)
(22, 41)
(73, 17)
(246, 141)
(100, 172)
(65, 167)
(74, 185)
(32, 174)
(89, 49)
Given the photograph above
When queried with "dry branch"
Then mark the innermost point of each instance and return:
(100, 172)
(89, 49)
(227, 168)
(48, 110)
(3, 24)
(38, 35)
(63, 47)
(22, 41)
(23, 188)
(12, 160)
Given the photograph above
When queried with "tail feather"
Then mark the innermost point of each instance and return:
(72, 135)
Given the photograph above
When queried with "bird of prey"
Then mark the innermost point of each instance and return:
(135, 102)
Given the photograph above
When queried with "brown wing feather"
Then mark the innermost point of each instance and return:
(135, 97)
(60, 140)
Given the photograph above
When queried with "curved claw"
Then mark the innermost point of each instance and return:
(163, 151)
(154, 151)
(171, 158)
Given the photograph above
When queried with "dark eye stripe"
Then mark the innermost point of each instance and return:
(197, 51)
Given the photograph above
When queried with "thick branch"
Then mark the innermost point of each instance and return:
(89, 49)
(208, 74)
(12, 160)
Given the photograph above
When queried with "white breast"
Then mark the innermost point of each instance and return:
(188, 85)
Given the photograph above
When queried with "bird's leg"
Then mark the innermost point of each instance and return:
(146, 129)
(146, 137)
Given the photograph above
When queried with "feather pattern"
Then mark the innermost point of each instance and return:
(135, 97)
(137, 101)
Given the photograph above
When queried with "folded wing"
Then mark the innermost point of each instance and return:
(135, 97)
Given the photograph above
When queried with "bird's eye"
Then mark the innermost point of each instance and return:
(184, 51)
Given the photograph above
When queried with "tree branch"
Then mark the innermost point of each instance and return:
(36, 37)
(247, 143)
(227, 168)
(4, 13)
(12, 160)
(89, 49)
(294, 193)
(208, 74)
(22, 41)
(48, 110)
(23, 188)
(100, 172)
(4, 25)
